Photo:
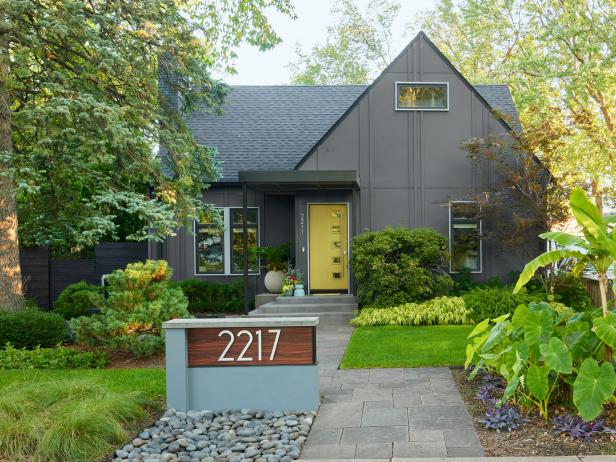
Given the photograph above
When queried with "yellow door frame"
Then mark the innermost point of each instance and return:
(348, 239)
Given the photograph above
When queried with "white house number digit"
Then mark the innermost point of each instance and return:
(258, 334)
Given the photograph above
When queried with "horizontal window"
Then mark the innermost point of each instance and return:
(220, 249)
(416, 96)
(465, 236)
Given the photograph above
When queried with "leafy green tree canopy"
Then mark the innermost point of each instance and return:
(88, 117)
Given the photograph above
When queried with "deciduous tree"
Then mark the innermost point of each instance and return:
(82, 116)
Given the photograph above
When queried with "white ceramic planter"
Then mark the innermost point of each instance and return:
(273, 281)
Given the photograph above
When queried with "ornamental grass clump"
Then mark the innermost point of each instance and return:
(65, 421)
(141, 298)
(440, 310)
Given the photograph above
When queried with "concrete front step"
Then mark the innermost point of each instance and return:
(324, 318)
(317, 299)
(280, 307)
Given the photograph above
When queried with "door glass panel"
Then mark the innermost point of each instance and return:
(336, 244)
(237, 216)
(336, 275)
(335, 229)
(335, 260)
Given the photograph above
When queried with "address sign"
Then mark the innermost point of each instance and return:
(251, 345)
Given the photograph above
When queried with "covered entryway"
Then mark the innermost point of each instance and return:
(325, 205)
(328, 262)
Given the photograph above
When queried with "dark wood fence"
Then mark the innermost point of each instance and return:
(45, 277)
(592, 286)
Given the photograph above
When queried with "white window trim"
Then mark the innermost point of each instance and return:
(480, 239)
(439, 109)
(226, 251)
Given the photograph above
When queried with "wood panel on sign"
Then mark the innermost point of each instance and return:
(251, 346)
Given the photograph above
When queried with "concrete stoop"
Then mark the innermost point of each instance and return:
(477, 459)
(329, 308)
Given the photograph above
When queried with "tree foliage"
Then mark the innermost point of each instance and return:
(558, 59)
(88, 115)
(357, 48)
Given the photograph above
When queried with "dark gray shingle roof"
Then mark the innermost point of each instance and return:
(499, 97)
(274, 127)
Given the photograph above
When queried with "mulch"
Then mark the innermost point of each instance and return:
(536, 437)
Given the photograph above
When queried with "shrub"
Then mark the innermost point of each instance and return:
(571, 291)
(65, 420)
(440, 310)
(140, 299)
(75, 300)
(207, 297)
(51, 358)
(492, 302)
(396, 266)
(463, 282)
(29, 328)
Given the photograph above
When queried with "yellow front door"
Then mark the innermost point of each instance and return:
(329, 238)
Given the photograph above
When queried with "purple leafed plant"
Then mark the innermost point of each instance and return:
(485, 395)
(493, 382)
(503, 418)
(575, 427)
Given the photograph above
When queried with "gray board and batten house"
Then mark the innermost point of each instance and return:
(316, 165)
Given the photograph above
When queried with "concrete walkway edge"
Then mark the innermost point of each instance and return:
(478, 459)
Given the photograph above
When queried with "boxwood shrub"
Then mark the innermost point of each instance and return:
(31, 327)
(396, 266)
(440, 310)
(208, 297)
(492, 302)
(76, 299)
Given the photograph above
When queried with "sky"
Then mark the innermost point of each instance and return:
(313, 16)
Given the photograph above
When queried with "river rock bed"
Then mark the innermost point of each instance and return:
(227, 436)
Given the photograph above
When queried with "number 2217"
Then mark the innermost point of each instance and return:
(242, 356)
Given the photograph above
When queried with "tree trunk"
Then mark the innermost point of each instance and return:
(11, 295)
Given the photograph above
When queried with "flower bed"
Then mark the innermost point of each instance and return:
(536, 437)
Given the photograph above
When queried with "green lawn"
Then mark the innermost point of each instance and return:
(149, 381)
(406, 346)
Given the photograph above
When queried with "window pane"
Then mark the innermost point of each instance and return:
(210, 255)
(465, 236)
(237, 216)
(422, 96)
(237, 256)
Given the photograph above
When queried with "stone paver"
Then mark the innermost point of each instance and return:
(380, 414)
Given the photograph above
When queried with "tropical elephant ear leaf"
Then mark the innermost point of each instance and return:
(545, 259)
(557, 356)
(537, 381)
(593, 386)
(564, 239)
(538, 326)
(605, 328)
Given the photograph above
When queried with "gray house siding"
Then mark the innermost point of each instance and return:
(409, 162)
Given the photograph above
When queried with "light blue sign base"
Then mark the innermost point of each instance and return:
(271, 388)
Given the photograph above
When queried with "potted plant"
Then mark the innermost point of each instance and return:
(292, 284)
(276, 262)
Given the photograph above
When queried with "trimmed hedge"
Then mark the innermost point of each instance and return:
(440, 310)
(492, 302)
(208, 297)
(51, 358)
(29, 328)
(76, 299)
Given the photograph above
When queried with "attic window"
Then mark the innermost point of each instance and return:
(422, 96)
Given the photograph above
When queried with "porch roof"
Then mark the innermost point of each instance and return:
(300, 178)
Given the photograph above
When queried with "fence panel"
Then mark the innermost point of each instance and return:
(65, 272)
(592, 287)
(116, 255)
(35, 274)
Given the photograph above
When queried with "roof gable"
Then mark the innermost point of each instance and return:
(279, 127)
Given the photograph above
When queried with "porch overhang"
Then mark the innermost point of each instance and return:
(287, 179)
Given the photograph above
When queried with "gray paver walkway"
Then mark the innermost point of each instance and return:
(385, 413)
